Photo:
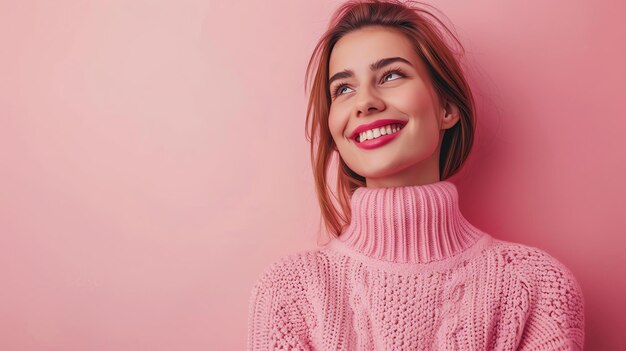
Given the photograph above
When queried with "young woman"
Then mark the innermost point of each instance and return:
(404, 269)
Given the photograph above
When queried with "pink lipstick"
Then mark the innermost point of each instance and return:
(382, 139)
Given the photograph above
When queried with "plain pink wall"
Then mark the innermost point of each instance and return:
(153, 159)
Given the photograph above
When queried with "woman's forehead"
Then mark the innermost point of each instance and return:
(357, 50)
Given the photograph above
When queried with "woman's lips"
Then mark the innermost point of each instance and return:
(377, 142)
(376, 124)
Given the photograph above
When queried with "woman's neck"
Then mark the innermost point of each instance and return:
(408, 224)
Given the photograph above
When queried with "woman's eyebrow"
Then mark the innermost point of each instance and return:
(347, 73)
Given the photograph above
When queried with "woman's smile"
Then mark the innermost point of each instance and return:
(377, 137)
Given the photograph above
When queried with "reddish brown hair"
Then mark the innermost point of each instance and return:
(422, 28)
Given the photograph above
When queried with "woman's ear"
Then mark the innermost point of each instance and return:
(450, 115)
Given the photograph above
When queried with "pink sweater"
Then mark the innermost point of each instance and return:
(411, 273)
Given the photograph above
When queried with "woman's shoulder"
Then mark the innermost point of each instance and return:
(290, 270)
(537, 267)
(527, 256)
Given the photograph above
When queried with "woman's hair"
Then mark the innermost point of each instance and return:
(420, 27)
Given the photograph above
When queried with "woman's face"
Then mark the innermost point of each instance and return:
(411, 155)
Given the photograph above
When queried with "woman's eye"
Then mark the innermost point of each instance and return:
(392, 73)
(339, 90)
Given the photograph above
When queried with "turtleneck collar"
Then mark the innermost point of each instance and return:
(408, 224)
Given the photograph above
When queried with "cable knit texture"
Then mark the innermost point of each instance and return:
(409, 272)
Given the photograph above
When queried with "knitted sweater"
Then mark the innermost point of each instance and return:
(409, 272)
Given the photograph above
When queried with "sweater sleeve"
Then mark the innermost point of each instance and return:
(556, 320)
(276, 318)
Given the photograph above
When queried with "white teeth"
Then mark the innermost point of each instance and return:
(378, 132)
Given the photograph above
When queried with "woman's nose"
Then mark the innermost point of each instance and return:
(368, 101)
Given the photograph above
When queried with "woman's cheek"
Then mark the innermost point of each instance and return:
(332, 124)
(336, 124)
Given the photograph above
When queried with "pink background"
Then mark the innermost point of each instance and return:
(153, 159)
